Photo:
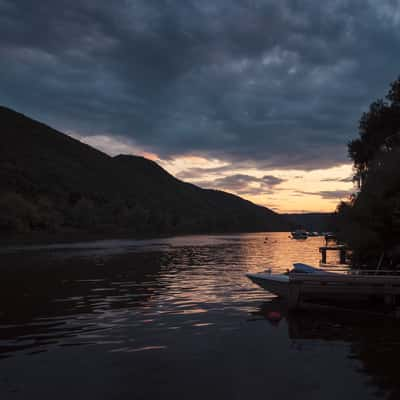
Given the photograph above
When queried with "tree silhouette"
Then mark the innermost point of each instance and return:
(370, 221)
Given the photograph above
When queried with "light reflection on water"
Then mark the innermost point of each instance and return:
(150, 318)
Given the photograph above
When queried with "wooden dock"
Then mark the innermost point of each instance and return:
(340, 248)
(346, 288)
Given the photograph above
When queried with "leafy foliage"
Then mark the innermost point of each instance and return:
(370, 222)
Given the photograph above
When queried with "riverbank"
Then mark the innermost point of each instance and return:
(79, 236)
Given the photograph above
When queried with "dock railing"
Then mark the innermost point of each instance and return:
(346, 269)
(343, 287)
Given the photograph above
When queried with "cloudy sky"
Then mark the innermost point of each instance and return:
(255, 97)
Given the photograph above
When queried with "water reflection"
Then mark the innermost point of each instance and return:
(373, 340)
(46, 301)
(149, 318)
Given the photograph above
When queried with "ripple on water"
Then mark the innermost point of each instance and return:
(177, 305)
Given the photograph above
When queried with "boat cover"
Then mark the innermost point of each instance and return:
(307, 269)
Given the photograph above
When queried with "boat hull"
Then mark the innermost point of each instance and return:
(310, 285)
(275, 284)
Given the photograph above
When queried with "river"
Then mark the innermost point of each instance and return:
(176, 318)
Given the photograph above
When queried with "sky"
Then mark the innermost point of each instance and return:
(255, 97)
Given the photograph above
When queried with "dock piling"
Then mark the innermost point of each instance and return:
(340, 248)
(294, 295)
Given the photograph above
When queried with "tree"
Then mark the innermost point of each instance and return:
(379, 132)
(370, 222)
(17, 214)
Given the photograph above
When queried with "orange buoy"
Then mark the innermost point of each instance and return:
(274, 316)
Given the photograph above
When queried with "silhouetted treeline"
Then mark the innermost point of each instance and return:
(50, 182)
(370, 221)
(313, 222)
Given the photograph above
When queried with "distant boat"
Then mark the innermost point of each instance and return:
(299, 234)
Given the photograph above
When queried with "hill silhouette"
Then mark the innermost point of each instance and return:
(51, 182)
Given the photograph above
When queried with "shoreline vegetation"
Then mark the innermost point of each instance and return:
(52, 185)
(369, 223)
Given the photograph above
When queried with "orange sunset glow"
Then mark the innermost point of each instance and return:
(318, 190)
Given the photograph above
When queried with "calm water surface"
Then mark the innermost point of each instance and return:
(176, 318)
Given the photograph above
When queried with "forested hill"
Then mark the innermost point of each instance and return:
(313, 222)
(50, 182)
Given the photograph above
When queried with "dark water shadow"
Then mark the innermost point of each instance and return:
(374, 340)
(45, 300)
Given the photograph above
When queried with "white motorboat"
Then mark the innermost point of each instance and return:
(275, 283)
(314, 234)
(279, 283)
(306, 285)
(299, 234)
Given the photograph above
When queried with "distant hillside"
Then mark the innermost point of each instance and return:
(313, 222)
(51, 182)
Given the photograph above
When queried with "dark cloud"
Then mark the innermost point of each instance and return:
(197, 172)
(267, 83)
(348, 179)
(329, 194)
(270, 180)
(243, 184)
(335, 194)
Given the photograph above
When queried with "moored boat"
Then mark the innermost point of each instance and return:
(306, 283)
(278, 284)
(299, 234)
